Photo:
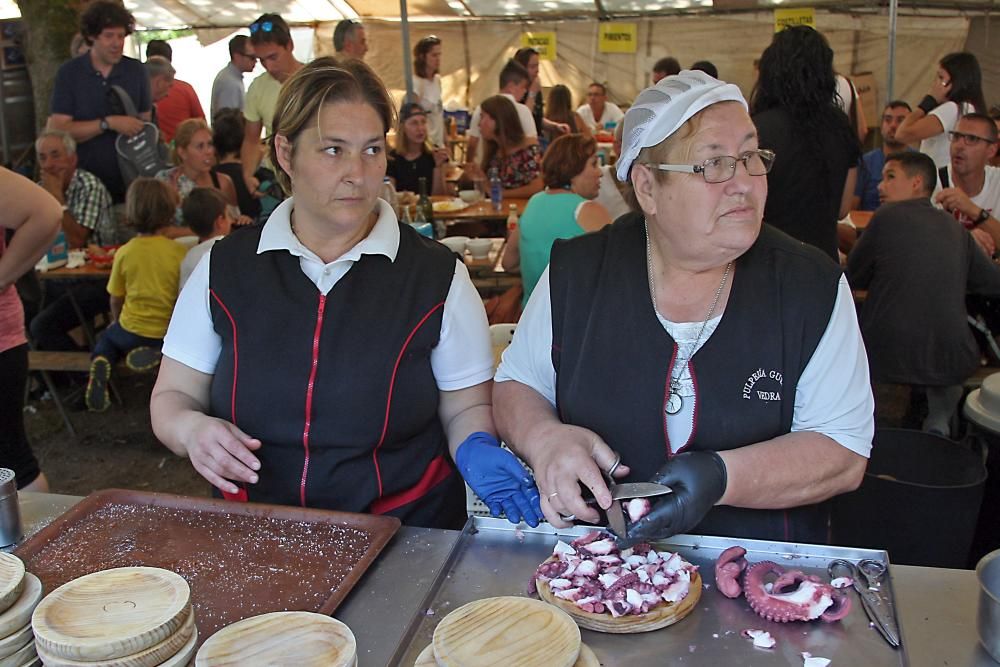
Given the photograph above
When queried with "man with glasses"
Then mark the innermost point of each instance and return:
(227, 89)
(968, 187)
(917, 266)
(866, 196)
(272, 45)
(349, 40)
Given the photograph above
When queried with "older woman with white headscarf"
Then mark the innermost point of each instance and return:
(715, 354)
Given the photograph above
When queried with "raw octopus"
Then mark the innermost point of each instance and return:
(593, 574)
(792, 596)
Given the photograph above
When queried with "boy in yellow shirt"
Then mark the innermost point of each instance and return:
(143, 289)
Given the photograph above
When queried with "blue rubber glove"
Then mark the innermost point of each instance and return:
(498, 478)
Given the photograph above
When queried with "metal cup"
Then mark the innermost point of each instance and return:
(988, 618)
(10, 512)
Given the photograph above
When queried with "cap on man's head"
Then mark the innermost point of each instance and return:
(661, 110)
(409, 110)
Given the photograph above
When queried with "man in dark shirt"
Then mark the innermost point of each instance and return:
(917, 264)
(83, 102)
(866, 197)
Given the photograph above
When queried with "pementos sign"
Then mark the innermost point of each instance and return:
(617, 38)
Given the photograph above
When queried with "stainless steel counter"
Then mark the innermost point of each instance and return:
(936, 607)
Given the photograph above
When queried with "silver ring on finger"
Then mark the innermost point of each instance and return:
(570, 517)
(552, 495)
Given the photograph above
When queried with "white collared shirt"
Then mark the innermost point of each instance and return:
(463, 357)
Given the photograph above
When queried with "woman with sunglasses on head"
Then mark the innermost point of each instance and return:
(333, 357)
(715, 355)
(957, 89)
(413, 158)
(427, 86)
(794, 108)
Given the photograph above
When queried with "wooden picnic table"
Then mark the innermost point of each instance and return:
(481, 210)
(86, 272)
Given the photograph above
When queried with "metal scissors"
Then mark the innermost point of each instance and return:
(867, 578)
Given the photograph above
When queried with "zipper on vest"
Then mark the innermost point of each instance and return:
(309, 397)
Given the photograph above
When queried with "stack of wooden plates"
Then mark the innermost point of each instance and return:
(299, 638)
(507, 631)
(20, 592)
(125, 617)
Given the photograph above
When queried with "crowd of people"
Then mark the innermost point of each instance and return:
(745, 385)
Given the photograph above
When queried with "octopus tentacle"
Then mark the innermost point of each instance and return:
(728, 568)
(840, 608)
(793, 596)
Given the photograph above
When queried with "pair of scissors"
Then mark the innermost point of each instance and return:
(866, 579)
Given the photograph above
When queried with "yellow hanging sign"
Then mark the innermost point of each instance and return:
(789, 16)
(617, 38)
(543, 42)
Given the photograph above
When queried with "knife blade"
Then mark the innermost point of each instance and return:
(638, 490)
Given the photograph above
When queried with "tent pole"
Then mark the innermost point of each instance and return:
(891, 74)
(407, 69)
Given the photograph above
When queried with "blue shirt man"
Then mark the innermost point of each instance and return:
(872, 162)
(83, 102)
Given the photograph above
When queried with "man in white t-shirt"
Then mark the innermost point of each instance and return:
(514, 82)
(968, 187)
(598, 112)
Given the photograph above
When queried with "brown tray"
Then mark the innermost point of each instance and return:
(240, 559)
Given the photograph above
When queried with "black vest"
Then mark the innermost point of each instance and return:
(339, 389)
(613, 357)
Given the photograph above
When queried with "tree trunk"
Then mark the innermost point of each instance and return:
(49, 26)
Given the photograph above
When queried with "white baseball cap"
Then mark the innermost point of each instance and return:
(661, 109)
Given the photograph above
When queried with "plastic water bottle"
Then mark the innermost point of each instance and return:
(388, 193)
(420, 223)
(496, 190)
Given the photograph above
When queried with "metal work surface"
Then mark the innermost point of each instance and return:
(492, 559)
(424, 569)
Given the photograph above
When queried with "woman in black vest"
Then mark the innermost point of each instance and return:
(333, 357)
(716, 356)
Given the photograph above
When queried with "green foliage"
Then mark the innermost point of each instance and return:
(146, 36)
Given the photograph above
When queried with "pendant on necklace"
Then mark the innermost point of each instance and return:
(674, 403)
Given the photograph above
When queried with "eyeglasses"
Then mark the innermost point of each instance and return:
(722, 168)
(257, 26)
(969, 139)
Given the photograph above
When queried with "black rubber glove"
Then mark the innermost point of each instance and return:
(698, 480)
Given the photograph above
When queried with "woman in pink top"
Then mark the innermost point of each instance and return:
(34, 215)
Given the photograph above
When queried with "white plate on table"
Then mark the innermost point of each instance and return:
(449, 205)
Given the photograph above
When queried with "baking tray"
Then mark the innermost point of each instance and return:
(240, 559)
(492, 557)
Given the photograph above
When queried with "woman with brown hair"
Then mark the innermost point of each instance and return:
(413, 158)
(562, 211)
(355, 348)
(427, 85)
(560, 110)
(515, 157)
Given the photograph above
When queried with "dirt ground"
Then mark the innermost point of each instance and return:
(114, 449)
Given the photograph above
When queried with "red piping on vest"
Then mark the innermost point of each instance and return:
(436, 472)
(241, 495)
(309, 398)
(388, 401)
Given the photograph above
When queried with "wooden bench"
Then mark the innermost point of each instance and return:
(45, 362)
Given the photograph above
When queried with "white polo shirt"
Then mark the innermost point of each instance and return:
(463, 357)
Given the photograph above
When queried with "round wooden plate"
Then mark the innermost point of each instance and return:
(11, 579)
(585, 659)
(506, 631)
(656, 618)
(20, 657)
(19, 614)
(183, 657)
(150, 657)
(16, 640)
(299, 638)
(112, 613)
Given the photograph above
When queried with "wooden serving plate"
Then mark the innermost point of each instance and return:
(112, 613)
(183, 657)
(585, 659)
(507, 631)
(13, 642)
(20, 657)
(11, 579)
(656, 618)
(300, 638)
(150, 657)
(19, 614)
